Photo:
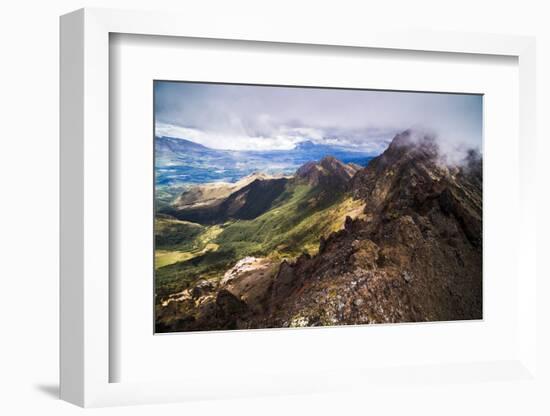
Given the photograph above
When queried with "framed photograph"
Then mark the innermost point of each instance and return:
(290, 210)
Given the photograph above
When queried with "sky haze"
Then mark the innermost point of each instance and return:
(246, 117)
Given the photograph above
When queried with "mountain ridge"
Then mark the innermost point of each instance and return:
(255, 194)
(415, 257)
(412, 254)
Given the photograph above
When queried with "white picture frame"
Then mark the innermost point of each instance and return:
(85, 219)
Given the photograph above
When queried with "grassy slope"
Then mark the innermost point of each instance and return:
(295, 223)
(177, 241)
(290, 227)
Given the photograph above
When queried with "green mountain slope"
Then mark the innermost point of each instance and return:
(294, 223)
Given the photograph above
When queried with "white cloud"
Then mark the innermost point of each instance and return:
(282, 138)
(170, 130)
(255, 117)
(231, 141)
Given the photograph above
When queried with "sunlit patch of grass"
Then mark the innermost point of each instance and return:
(166, 257)
(188, 240)
(172, 234)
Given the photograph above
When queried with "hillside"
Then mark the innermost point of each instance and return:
(276, 218)
(215, 203)
(211, 194)
(399, 241)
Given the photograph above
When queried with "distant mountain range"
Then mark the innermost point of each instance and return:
(183, 162)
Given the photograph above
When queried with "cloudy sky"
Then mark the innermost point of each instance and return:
(243, 117)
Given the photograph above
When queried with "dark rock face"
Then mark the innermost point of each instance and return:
(230, 309)
(202, 288)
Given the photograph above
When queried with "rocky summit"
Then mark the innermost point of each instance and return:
(329, 172)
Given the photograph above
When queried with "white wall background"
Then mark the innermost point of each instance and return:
(29, 56)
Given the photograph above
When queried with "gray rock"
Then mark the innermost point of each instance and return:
(408, 277)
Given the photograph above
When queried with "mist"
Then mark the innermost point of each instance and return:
(244, 117)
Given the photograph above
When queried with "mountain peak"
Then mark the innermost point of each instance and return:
(176, 144)
(413, 144)
(329, 160)
(328, 171)
(412, 177)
